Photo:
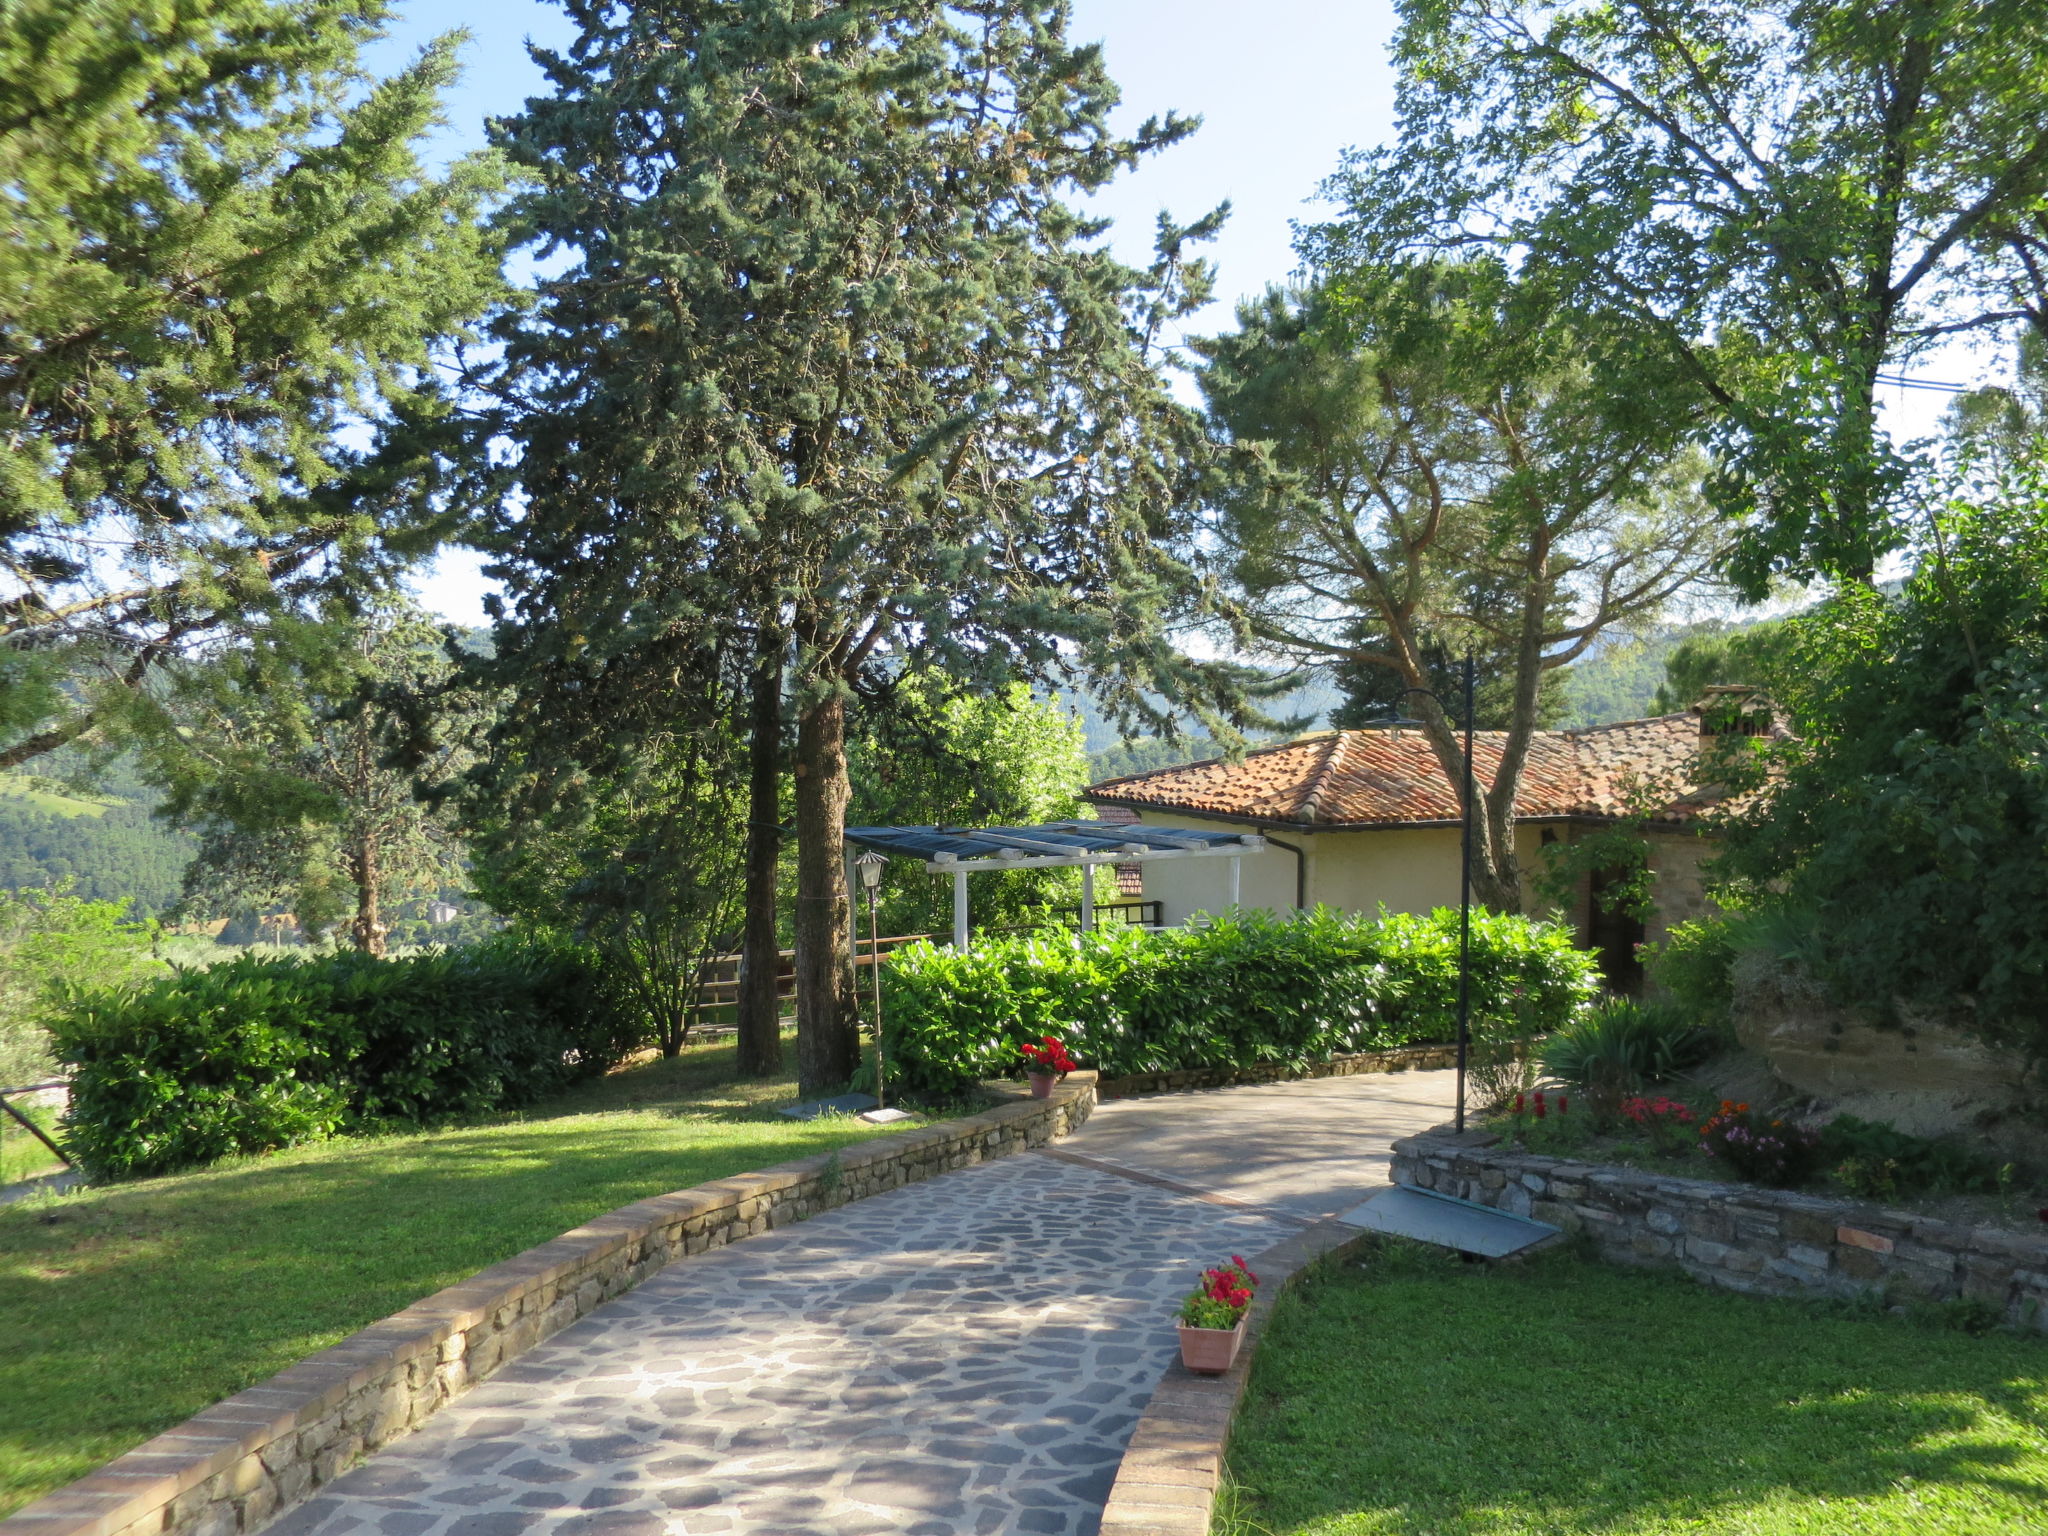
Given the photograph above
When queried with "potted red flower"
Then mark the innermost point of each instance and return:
(1212, 1317)
(1046, 1062)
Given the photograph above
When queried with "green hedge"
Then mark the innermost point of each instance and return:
(1246, 990)
(263, 1053)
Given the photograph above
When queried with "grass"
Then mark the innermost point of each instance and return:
(126, 1309)
(45, 795)
(1418, 1396)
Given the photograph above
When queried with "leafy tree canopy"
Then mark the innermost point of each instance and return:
(1441, 458)
(1907, 831)
(222, 256)
(1791, 196)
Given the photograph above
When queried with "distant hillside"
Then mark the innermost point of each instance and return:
(1617, 681)
(1310, 704)
(109, 847)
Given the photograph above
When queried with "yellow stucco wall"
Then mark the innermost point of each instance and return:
(1408, 869)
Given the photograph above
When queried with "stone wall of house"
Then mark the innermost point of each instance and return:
(1681, 895)
(237, 1465)
(1739, 1236)
(1405, 1058)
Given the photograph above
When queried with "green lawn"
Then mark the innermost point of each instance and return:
(127, 1309)
(1418, 1396)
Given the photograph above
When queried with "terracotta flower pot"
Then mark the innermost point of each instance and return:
(1210, 1351)
(1041, 1084)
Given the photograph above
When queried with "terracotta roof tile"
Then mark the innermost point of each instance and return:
(1389, 777)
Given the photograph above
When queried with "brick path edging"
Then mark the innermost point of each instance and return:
(1167, 1482)
(237, 1465)
(1741, 1236)
(1400, 1058)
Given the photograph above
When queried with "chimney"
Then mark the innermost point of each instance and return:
(1729, 711)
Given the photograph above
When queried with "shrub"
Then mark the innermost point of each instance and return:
(1773, 1152)
(1695, 965)
(1619, 1047)
(1247, 990)
(263, 1053)
(1873, 1159)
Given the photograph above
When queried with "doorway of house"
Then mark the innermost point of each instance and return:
(1613, 937)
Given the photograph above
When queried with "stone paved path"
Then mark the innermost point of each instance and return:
(963, 1355)
(1314, 1147)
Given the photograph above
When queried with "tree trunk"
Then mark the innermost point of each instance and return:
(827, 1037)
(366, 932)
(760, 1009)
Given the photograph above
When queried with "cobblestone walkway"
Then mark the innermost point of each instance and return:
(963, 1355)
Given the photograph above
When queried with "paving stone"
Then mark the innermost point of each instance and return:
(960, 1357)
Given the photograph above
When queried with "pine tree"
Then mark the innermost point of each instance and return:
(221, 250)
(833, 365)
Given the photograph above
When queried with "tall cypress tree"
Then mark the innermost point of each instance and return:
(832, 360)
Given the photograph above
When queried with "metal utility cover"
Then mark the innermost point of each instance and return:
(1428, 1217)
(845, 1104)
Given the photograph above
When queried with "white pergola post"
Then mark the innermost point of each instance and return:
(1087, 897)
(960, 909)
(1236, 868)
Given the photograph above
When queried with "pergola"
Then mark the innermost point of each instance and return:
(964, 851)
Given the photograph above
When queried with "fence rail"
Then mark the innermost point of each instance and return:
(7, 1094)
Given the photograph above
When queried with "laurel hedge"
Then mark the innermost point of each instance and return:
(1245, 990)
(261, 1053)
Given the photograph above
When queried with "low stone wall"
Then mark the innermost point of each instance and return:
(243, 1461)
(1403, 1058)
(1739, 1235)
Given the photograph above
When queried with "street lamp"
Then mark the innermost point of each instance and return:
(1464, 886)
(869, 864)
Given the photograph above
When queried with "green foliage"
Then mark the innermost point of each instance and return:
(1144, 753)
(1789, 197)
(117, 851)
(225, 261)
(1759, 654)
(1244, 990)
(927, 755)
(1623, 1045)
(285, 756)
(1695, 964)
(256, 1053)
(1898, 841)
(1875, 1160)
(53, 942)
(645, 864)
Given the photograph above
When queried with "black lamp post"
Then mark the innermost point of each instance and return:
(1464, 886)
(869, 864)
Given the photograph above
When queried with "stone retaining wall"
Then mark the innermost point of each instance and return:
(243, 1461)
(1739, 1235)
(1402, 1058)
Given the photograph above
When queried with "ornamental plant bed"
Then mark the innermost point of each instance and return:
(1695, 1136)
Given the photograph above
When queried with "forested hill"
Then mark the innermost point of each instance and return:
(109, 848)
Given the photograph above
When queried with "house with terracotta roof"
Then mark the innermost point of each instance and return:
(1358, 819)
